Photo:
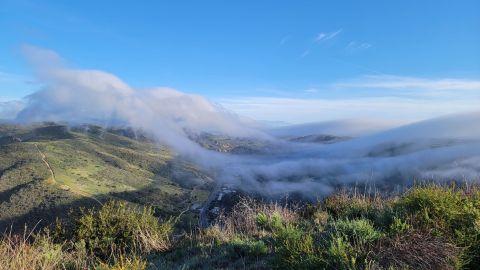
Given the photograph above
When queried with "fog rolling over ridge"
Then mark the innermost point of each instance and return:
(445, 148)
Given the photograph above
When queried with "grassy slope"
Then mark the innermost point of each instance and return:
(87, 166)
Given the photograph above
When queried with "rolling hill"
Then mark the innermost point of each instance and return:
(47, 169)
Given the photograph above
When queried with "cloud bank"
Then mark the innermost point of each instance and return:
(92, 96)
(446, 148)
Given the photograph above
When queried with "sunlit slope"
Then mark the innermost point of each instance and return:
(46, 169)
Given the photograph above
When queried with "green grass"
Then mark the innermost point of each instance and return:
(97, 164)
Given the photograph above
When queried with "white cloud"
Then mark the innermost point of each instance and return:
(298, 110)
(85, 96)
(400, 82)
(324, 36)
(311, 90)
(375, 97)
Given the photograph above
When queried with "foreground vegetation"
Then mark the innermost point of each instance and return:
(427, 227)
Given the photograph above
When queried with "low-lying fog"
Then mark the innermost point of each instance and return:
(440, 149)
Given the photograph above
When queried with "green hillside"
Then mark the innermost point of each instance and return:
(46, 169)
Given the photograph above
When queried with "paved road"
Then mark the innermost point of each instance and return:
(203, 219)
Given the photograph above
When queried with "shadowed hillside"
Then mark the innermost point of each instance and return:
(47, 169)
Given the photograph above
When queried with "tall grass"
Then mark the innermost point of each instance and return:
(116, 236)
(426, 227)
(38, 252)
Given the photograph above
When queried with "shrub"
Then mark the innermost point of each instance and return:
(346, 243)
(248, 248)
(258, 248)
(320, 218)
(449, 212)
(119, 226)
(295, 249)
(443, 209)
(352, 206)
(339, 253)
(398, 226)
(251, 218)
(360, 231)
(272, 223)
(262, 219)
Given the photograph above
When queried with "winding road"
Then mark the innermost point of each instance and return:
(203, 216)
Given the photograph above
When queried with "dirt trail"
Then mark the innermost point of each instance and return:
(44, 159)
(54, 181)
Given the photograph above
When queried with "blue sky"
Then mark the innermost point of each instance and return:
(262, 58)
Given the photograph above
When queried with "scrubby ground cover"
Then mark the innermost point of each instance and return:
(89, 165)
(427, 227)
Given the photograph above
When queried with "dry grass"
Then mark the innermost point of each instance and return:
(354, 204)
(416, 250)
(41, 253)
(124, 233)
(243, 218)
(155, 241)
(241, 222)
(22, 252)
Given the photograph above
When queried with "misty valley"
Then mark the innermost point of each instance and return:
(53, 175)
(225, 135)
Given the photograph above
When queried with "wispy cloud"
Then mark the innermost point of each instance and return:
(356, 46)
(297, 110)
(401, 82)
(371, 97)
(324, 36)
(284, 40)
(305, 53)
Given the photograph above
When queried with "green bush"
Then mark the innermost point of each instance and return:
(398, 226)
(119, 226)
(248, 248)
(450, 212)
(443, 209)
(339, 253)
(345, 206)
(271, 223)
(360, 231)
(296, 249)
(346, 243)
(262, 220)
